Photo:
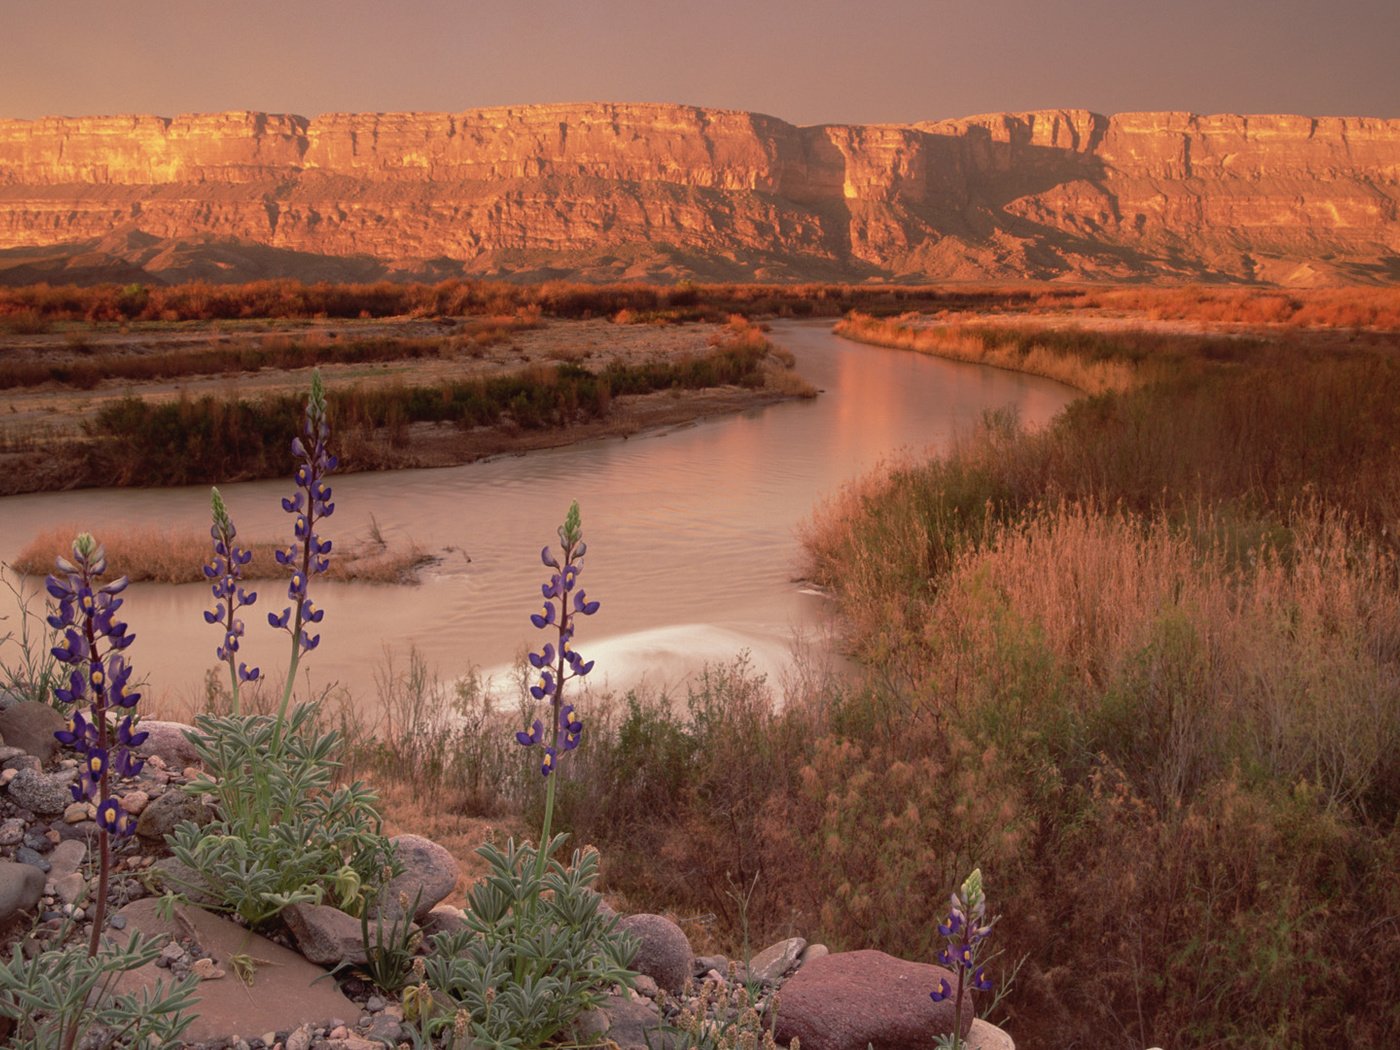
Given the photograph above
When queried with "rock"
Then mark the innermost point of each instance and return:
(300, 1039)
(21, 886)
(10, 697)
(45, 793)
(134, 802)
(169, 743)
(7, 775)
(776, 960)
(31, 726)
(705, 963)
(285, 992)
(7, 752)
(159, 818)
(11, 832)
(84, 831)
(70, 888)
(32, 858)
(646, 986)
(664, 953)
(852, 1000)
(67, 857)
(19, 762)
(813, 951)
(175, 875)
(444, 919)
(329, 937)
(77, 812)
(633, 1025)
(427, 867)
(984, 1036)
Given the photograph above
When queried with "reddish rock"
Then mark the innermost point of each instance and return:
(284, 990)
(852, 1000)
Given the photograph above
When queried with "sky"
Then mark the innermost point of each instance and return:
(805, 61)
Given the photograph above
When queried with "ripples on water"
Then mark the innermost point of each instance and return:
(692, 549)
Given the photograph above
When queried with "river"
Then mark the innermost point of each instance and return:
(691, 532)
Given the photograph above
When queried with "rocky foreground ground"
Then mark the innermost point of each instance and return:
(258, 992)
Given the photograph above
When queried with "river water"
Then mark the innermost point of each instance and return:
(691, 532)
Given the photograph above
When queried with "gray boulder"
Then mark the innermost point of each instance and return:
(664, 953)
(31, 726)
(168, 741)
(159, 818)
(776, 960)
(429, 874)
(45, 793)
(21, 886)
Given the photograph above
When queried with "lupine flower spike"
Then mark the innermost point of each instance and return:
(964, 930)
(308, 555)
(225, 569)
(557, 662)
(93, 645)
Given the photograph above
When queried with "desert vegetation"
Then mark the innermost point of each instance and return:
(1141, 667)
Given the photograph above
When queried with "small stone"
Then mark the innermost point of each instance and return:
(646, 986)
(339, 1032)
(774, 961)
(190, 772)
(68, 763)
(76, 812)
(83, 831)
(705, 963)
(117, 922)
(374, 1004)
(160, 818)
(71, 887)
(7, 752)
(11, 832)
(67, 857)
(25, 855)
(813, 951)
(300, 1039)
(206, 970)
(7, 775)
(21, 762)
(134, 802)
(173, 953)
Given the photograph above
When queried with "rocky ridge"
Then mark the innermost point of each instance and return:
(608, 191)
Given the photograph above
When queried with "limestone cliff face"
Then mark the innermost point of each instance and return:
(607, 191)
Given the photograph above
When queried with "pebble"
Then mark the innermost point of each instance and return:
(134, 802)
(206, 970)
(374, 1003)
(76, 813)
(26, 855)
(340, 1031)
(12, 832)
(7, 775)
(117, 922)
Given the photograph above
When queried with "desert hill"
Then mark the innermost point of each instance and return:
(613, 191)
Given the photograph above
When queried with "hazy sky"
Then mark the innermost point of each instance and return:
(807, 61)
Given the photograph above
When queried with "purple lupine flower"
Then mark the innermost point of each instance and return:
(308, 555)
(964, 929)
(559, 663)
(92, 642)
(225, 570)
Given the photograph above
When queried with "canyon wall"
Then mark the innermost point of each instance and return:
(604, 191)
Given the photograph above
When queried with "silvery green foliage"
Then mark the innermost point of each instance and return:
(536, 952)
(283, 835)
(30, 672)
(58, 997)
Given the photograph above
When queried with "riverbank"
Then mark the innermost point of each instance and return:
(216, 401)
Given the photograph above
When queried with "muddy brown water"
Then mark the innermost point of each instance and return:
(691, 533)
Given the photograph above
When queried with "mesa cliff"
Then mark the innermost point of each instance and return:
(613, 191)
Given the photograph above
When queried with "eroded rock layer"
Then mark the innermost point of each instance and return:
(604, 191)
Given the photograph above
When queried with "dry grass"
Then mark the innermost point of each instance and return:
(158, 555)
(904, 332)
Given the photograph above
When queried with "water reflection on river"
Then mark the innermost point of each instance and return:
(691, 538)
